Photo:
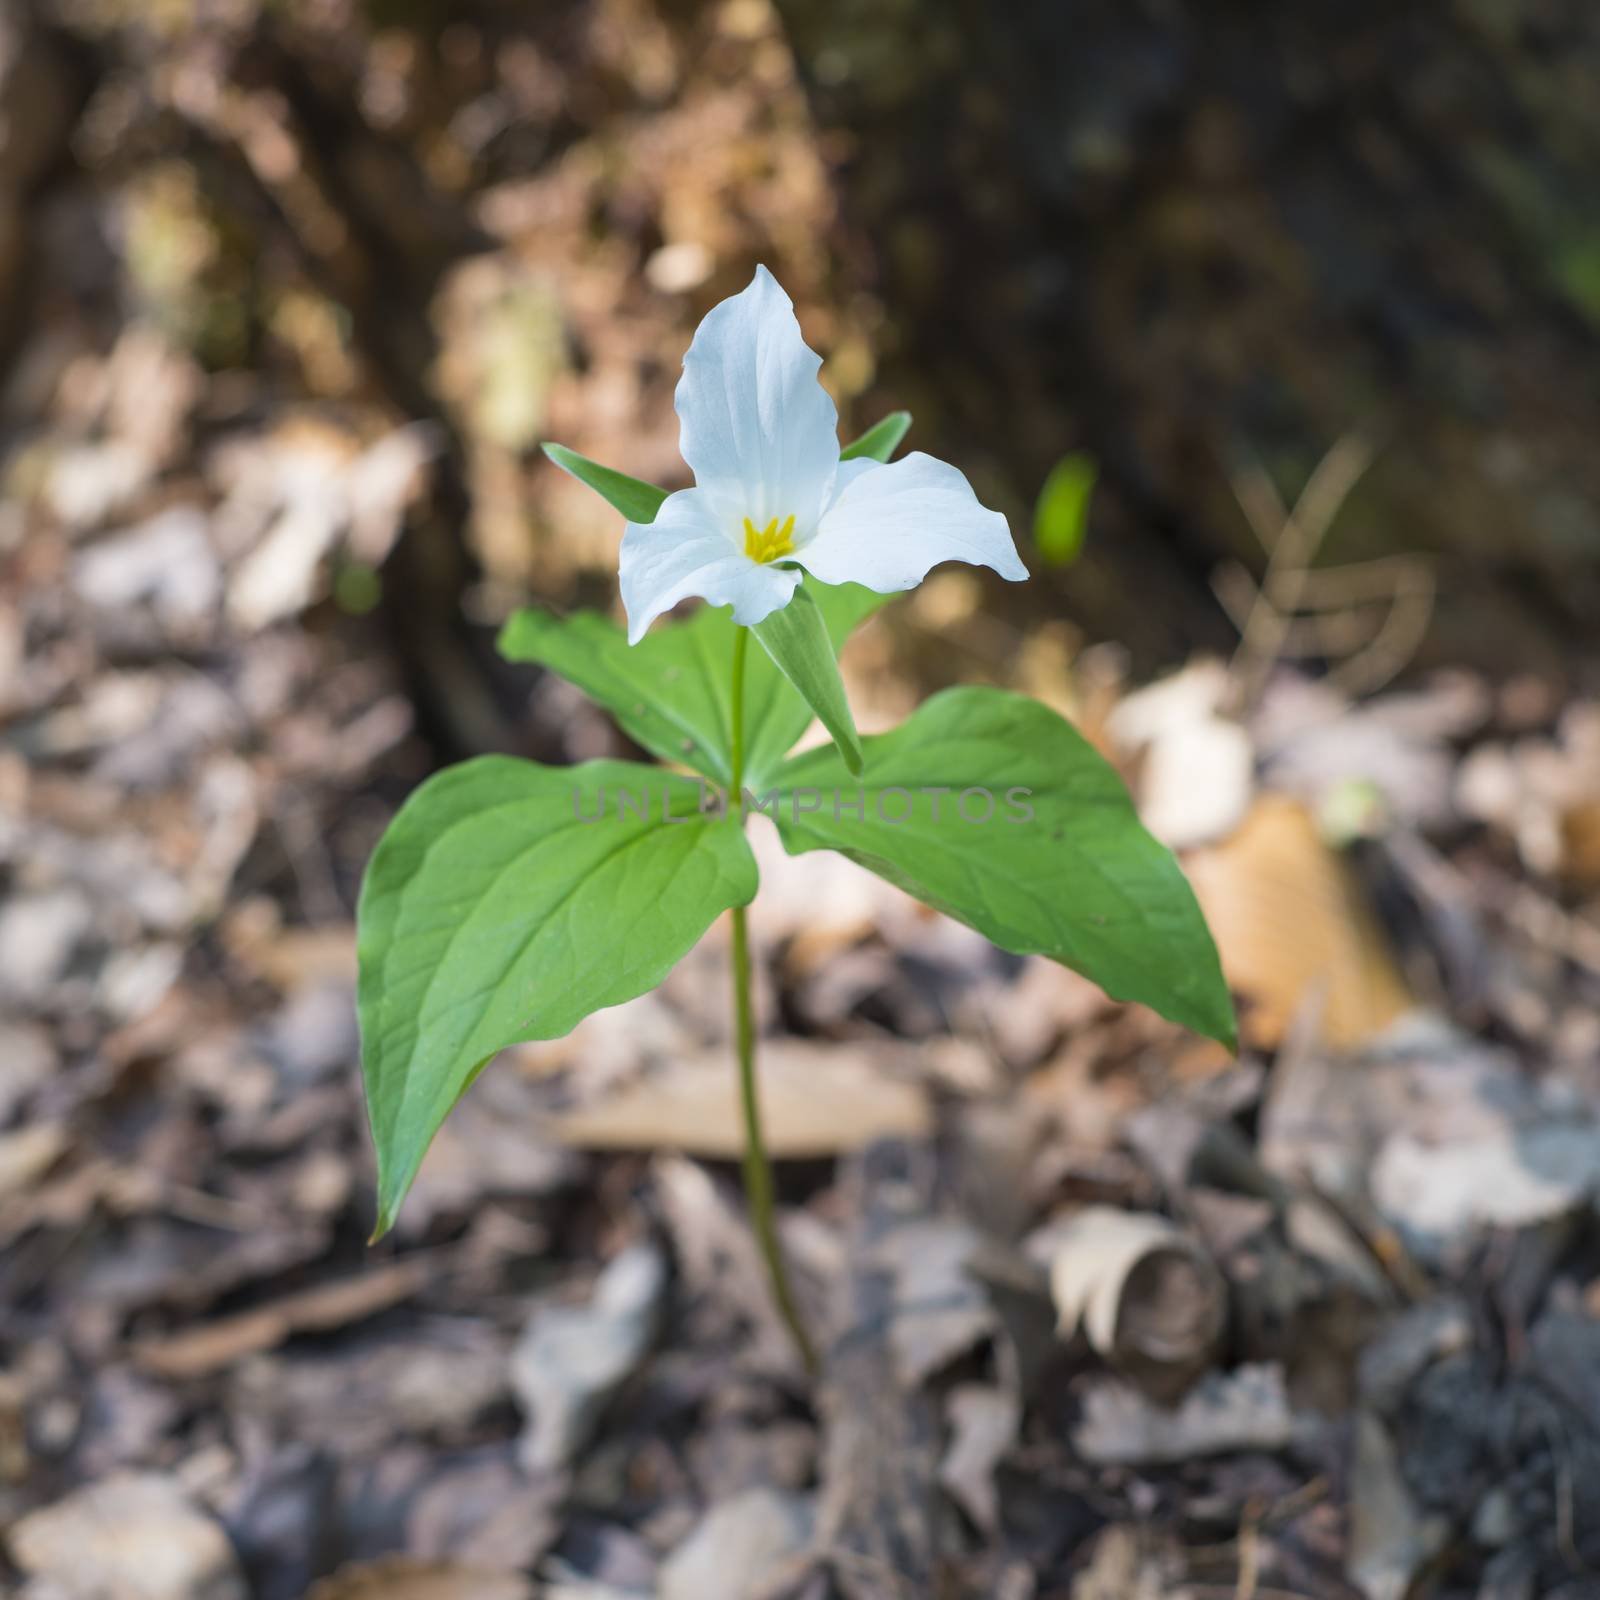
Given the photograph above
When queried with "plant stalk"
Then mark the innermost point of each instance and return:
(758, 1185)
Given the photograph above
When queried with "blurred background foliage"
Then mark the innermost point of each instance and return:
(1185, 242)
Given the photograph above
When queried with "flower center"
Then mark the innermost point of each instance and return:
(771, 542)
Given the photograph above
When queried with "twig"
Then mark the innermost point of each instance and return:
(1291, 539)
(1249, 1561)
(1397, 640)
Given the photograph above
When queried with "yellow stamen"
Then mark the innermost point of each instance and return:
(771, 542)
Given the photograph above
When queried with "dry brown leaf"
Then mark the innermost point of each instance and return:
(136, 1536)
(1196, 773)
(27, 1154)
(984, 1421)
(1087, 1102)
(1542, 794)
(571, 1359)
(399, 1578)
(1148, 1298)
(27, 1060)
(1290, 920)
(211, 1346)
(820, 906)
(1580, 842)
(740, 1547)
(290, 957)
(816, 1101)
(1095, 1280)
(940, 1309)
(1125, 1564)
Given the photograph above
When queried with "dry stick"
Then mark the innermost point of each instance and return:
(1396, 641)
(1338, 588)
(1339, 604)
(758, 1185)
(1291, 540)
(1249, 1581)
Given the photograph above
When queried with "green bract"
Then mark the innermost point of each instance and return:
(670, 692)
(796, 638)
(636, 500)
(508, 900)
(881, 440)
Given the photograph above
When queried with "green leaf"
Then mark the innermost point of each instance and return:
(1079, 880)
(491, 913)
(1061, 515)
(796, 638)
(775, 715)
(636, 500)
(671, 692)
(881, 440)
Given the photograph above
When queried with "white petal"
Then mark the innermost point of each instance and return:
(887, 527)
(686, 551)
(758, 431)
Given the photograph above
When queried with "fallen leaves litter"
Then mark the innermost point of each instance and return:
(396, 1578)
(1294, 929)
(739, 1548)
(1147, 1297)
(135, 1536)
(210, 1347)
(571, 1360)
(817, 1100)
(219, 675)
(1246, 1409)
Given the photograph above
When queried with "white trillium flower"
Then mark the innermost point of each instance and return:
(770, 493)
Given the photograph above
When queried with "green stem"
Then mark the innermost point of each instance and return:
(758, 1186)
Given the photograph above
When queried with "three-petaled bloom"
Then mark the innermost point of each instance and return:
(771, 494)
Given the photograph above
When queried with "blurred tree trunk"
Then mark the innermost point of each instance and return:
(1189, 236)
(396, 238)
(43, 85)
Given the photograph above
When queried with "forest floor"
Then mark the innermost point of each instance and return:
(1106, 1313)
